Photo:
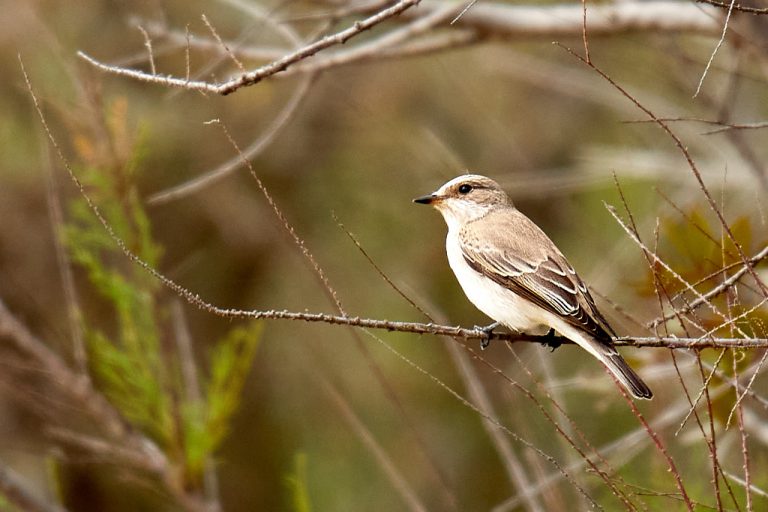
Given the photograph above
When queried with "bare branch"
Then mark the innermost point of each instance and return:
(717, 47)
(691, 164)
(490, 20)
(267, 70)
(714, 292)
(223, 45)
(735, 6)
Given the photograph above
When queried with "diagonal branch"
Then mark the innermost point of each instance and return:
(714, 292)
(18, 494)
(259, 74)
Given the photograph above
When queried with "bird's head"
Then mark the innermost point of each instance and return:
(466, 198)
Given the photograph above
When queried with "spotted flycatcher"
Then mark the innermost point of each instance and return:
(516, 275)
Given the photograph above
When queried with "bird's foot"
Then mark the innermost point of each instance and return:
(488, 331)
(551, 340)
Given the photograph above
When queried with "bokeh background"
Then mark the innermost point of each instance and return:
(365, 140)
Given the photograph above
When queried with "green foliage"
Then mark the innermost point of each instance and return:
(297, 484)
(206, 423)
(127, 363)
(126, 352)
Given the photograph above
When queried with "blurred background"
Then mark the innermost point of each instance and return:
(330, 418)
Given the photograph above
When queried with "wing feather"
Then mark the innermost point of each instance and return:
(516, 254)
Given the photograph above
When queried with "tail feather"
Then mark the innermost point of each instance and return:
(611, 358)
(627, 376)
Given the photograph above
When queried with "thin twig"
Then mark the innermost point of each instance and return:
(194, 394)
(223, 45)
(477, 393)
(722, 124)
(208, 178)
(80, 355)
(259, 74)
(584, 38)
(563, 472)
(148, 46)
(463, 12)
(735, 6)
(689, 159)
(297, 240)
(717, 47)
(401, 485)
(666, 266)
(412, 327)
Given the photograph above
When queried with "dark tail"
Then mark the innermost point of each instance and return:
(610, 357)
(627, 376)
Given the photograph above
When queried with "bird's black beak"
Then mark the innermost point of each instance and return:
(427, 199)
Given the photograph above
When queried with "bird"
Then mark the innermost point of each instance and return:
(514, 273)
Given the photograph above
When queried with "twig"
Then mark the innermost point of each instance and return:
(287, 227)
(13, 489)
(743, 438)
(260, 144)
(259, 74)
(515, 469)
(544, 455)
(717, 47)
(388, 44)
(223, 45)
(662, 449)
(194, 394)
(722, 124)
(633, 236)
(56, 215)
(463, 11)
(401, 485)
(735, 6)
(584, 38)
(689, 159)
(148, 46)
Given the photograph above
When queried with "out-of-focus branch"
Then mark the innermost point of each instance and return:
(79, 388)
(486, 20)
(124, 444)
(257, 146)
(528, 22)
(17, 493)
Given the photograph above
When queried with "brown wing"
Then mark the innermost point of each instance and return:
(510, 249)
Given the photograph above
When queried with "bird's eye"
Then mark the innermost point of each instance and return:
(465, 189)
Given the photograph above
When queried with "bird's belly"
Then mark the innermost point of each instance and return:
(494, 300)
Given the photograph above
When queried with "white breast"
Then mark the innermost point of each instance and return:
(491, 298)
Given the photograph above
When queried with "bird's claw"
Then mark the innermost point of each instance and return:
(551, 340)
(488, 332)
